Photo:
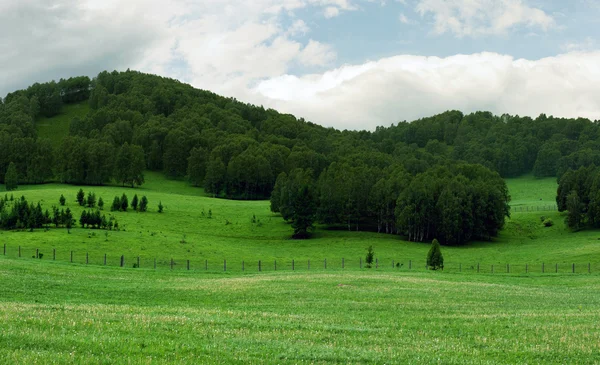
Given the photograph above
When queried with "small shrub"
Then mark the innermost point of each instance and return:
(160, 207)
(370, 257)
(62, 200)
(548, 222)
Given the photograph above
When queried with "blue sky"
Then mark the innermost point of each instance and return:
(352, 64)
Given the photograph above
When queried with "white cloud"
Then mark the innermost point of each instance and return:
(409, 87)
(404, 19)
(224, 44)
(482, 17)
(331, 12)
(588, 44)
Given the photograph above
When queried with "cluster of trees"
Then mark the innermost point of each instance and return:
(93, 219)
(122, 203)
(22, 215)
(579, 194)
(454, 203)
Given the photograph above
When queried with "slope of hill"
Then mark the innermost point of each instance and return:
(56, 128)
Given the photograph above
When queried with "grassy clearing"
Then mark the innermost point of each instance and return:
(59, 313)
(527, 191)
(56, 128)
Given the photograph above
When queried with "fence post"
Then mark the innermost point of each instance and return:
(188, 265)
(37, 253)
(293, 265)
(259, 268)
(54, 254)
(492, 269)
(361, 262)
(275, 265)
(309, 264)
(543, 268)
(122, 260)
(104, 259)
(138, 262)
(573, 268)
(224, 265)
(171, 263)
(478, 267)
(87, 258)
(5, 249)
(19, 251)
(557, 268)
(71, 256)
(155, 263)
(342, 262)
(325, 264)
(409, 264)
(377, 263)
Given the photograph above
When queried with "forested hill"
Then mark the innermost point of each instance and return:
(139, 121)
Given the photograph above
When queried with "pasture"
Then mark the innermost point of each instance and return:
(61, 313)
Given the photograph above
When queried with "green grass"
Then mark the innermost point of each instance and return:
(60, 313)
(527, 191)
(57, 127)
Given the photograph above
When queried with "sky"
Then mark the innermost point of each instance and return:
(348, 64)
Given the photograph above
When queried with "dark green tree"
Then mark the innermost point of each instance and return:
(100, 203)
(305, 209)
(83, 220)
(435, 260)
(11, 179)
(62, 199)
(574, 216)
(124, 202)
(81, 197)
(143, 204)
(160, 207)
(196, 169)
(134, 202)
(116, 204)
(91, 200)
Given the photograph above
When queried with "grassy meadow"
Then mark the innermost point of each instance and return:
(61, 313)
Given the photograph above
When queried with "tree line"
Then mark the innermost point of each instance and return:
(237, 150)
(454, 203)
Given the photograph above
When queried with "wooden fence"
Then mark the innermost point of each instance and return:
(536, 208)
(240, 265)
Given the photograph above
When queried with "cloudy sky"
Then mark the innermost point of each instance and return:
(351, 64)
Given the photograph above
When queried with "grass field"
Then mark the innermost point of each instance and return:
(527, 191)
(60, 313)
(56, 128)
